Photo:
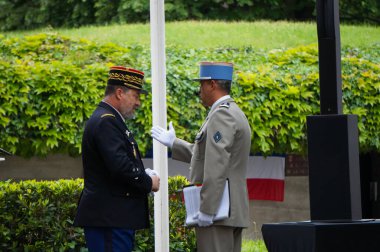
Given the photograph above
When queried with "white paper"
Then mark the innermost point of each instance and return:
(192, 203)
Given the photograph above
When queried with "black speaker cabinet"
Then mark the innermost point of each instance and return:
(334, 172)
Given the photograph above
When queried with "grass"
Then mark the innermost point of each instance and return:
(253, 246)
(210, 34)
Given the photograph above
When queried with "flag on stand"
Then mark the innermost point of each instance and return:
(266, 178)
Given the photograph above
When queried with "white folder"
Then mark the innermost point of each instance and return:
(192, 199)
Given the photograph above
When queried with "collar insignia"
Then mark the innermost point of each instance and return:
(224, 105)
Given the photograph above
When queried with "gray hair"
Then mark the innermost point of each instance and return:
(224, 85)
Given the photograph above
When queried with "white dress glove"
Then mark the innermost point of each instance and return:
(166, 137)
(204, 220)
(151, 172)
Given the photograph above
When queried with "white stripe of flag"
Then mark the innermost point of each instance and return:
(266, 178)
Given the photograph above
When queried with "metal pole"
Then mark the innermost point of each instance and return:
(160, 157)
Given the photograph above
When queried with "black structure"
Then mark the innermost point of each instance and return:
(333, 142)
(322, 237)
(334, 173)
(330, 81)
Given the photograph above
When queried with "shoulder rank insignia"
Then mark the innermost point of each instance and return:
(104, 115)
(217, 136)
(224, 105)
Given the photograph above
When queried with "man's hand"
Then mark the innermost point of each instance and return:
(155, 183)
(151, 172)
(166, 137)
(153, 175)
(204, 220)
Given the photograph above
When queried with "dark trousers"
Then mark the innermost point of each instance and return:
(105, 239)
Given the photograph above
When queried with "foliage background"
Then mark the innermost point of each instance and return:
(23, 14)
(39, 216)
(49, 86)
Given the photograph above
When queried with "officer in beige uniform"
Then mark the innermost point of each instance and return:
(220, 152)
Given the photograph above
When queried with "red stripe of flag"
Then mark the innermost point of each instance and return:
(265, 189)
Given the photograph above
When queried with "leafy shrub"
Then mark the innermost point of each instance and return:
(38, 216)
(49, 86)
(278, 95)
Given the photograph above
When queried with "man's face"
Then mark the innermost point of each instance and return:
(129, 102)
(205, 91)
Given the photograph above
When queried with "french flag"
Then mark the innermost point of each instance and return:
(266, 178)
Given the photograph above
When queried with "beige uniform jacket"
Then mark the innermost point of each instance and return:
(220, 151)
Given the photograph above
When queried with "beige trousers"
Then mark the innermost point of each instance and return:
(218, 239)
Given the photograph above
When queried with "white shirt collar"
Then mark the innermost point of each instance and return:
(122, 118)
(220, 100)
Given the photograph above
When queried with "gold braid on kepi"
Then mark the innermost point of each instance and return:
(128, 77)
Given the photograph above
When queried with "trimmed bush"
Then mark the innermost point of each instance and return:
(278, 95)
(38, 216)
(49, 86)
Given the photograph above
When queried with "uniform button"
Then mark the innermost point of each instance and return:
(127, 194)
(137, 178)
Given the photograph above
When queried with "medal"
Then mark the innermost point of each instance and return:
(134, 150)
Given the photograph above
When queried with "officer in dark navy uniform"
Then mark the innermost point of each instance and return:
(114, 201)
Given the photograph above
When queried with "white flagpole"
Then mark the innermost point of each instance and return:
(160, 157)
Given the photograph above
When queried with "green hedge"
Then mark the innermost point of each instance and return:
(23, 14)
(38, 216)
(277, 96)
(49, 86)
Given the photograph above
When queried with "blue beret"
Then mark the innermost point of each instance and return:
(215, 71)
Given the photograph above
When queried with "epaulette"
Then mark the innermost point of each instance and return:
(107, 115)
(224, 105)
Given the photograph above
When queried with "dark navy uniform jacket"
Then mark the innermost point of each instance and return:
(116, 186)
